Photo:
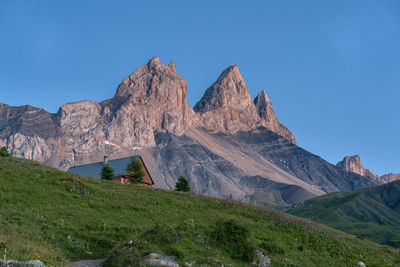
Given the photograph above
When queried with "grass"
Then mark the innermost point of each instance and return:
(371, 213)
(58, 217)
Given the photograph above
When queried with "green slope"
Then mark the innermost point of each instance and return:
(371, 213)
(49, 214)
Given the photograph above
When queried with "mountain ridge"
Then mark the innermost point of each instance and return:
(353, 164)
(149, 114)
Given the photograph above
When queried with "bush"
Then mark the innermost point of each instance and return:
(233, 238)
(107, 172)
(4, 152)
(182, 184)
(273, 248)
(160, 239)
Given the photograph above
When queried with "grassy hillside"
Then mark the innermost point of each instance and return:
(58, 216)
(371, 213)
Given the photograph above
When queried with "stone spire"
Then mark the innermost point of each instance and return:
(268, 117)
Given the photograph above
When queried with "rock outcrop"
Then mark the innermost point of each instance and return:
(227, 105)
(353, 164)
(152, 99)
(14, 263)
(28, 121)
(390, 177)
(268, 117)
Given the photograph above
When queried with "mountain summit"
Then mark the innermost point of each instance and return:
(268, 117)
(152, 99)
(228, 107)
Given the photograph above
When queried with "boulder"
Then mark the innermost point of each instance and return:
(160, 259)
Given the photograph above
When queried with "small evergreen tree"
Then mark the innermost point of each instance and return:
(107, 172)
(134, 171)
(182, 184)
(3, 152)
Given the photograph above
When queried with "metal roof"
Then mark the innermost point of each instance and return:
(94, 169)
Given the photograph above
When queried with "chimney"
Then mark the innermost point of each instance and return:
(105, 160)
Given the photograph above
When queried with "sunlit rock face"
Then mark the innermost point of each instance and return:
(152, 99)
(353, 164)
(268, 117)
(227, 105)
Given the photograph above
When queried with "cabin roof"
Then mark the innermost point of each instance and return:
(94, 169)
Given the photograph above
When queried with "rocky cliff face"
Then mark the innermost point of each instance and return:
(228, 107)
(390, 177)
(25, 129)
(152, 99)
(268, 117)
(353, 164)
(225, 146)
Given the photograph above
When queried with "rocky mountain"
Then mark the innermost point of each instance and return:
(268, 117)
(353, 164)
(228, 145)
(228, 107)
(390, 177)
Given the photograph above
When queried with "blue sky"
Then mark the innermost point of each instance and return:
(331, 68)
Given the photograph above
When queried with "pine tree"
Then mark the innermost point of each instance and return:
(182, 184)
(3, 152)
(107, 172)
(134, 171)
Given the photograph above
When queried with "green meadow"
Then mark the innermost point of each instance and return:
(57, 217)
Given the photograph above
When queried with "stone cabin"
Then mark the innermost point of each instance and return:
(119, 165)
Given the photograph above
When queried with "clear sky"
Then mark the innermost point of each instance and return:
(331, 68)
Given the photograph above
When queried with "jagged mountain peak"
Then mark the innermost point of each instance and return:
(228, 91)
(262, 98)
(152, 99)
(154, 62)
(353, 164)
(227, 106)
(268, 117)
(231, 72)
(172, 66)
(147, 76)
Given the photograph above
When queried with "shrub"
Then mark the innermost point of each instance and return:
(273, 248)
(107, 172)
(4, 152)
(233, 238)
(160, 239)
(182, 184)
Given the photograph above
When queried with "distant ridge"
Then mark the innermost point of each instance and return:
(371, 213)
(353, 164)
